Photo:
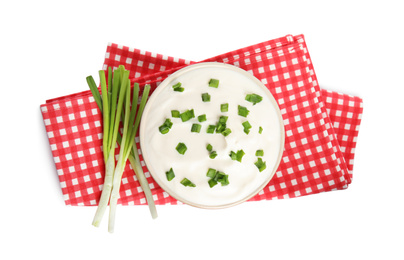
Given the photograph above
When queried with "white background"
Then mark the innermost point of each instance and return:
(49, 47)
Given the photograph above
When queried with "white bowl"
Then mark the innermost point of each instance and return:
(159, 152)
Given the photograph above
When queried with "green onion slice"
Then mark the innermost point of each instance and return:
(261, 165)
(175, 113)
(209, 147)
(213, 155)
(221, 125)
(211, 173)
(205, 97)
(224, 107)
(202, 118)
(243, 111)
(226, 132)
(187, 183)
(196, 128)
(177, 87)
(214, 83)
(240, 154)
(260, 130)
(259, 153)
(211, 129)
(170, 174)
(212, 183)
(247, 126)
(187, 115)
(166, 126)
(253, 98)
(181, 148)
(233, 155)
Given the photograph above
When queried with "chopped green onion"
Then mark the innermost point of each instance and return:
(261, 165)
(253, 98)
(211, 129)
(170, 174)
(196, 128)
(221, 125)
(233, 155)
(223, 119)
(214, 83)
(217, 176)
(259, 153)
(175, 113)
(247, 126)
(226, 132)
(225, 180)
(222, 178)
(187, 115)
(164, 129)
(181, 148)
(209, 147)
(212, 155)
(240, 154)
(187, 183)
(224, 107)
(211, 173)
(260, 130)
(243, 111)
(202, 118)
(237, 156)
(166, 126)
(205, 97)
(212, 183)
(177, 87)
(220, 128)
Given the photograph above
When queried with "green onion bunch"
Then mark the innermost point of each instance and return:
(118, 103)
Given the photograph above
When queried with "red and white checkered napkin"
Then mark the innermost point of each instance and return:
(321, 126)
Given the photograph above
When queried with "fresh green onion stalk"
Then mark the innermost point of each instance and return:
(115, 104)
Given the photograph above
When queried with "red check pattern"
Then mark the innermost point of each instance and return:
(321, 126)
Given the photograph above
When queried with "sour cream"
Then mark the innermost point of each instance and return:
(159, 150)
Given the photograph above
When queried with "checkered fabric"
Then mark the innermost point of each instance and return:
(321, 126)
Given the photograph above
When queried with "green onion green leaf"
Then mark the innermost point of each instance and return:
(233, 155)
(260, 130)
(202, 118)
(253, 98)
(259, 153)
(261, 165)
(226, 132)
(240, 154)
(247, 126)
(214, 83)
(170, 174)
(211, 173)
(187, 183)
(224, 107)
(196, 128)
(177, 87)
(211, 129)
(213, 155)
(187, 115)
(243, 111)
(205, 97)
(221, 125)
(212, 183)
(181, 148)
(209, 147)
(166, 126)
(175, 113)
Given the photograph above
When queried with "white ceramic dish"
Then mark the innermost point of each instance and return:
(159, 151)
